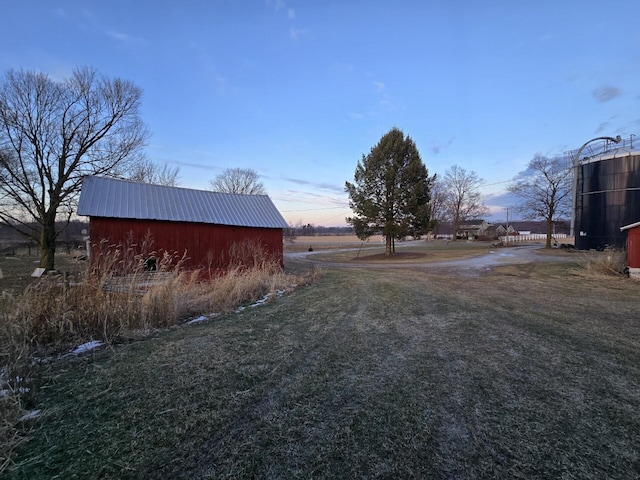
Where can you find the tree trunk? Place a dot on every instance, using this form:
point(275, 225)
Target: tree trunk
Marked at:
point(388, 250)
point(549, 233)
point(455, 226)
point(48, 242)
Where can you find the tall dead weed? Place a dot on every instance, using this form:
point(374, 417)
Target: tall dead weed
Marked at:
point(58, 313)
point(608, 263)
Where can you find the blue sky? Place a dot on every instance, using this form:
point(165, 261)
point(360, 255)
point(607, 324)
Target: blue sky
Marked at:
point(300, 90)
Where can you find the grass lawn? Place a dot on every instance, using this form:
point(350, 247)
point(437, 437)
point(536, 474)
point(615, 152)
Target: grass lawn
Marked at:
point(525, 372)
point(15, 271)
point(330, 249)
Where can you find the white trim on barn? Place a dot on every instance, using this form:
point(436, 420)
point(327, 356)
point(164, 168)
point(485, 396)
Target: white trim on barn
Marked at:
point(629, 227)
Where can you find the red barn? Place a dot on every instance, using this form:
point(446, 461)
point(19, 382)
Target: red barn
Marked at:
point(633, 249)
point(205, 228)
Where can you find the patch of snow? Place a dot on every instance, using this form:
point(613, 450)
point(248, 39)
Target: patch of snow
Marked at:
point(278, 293)
point(202, 318)
point(21, 390)
point(262, 301)
point(30, 415)
point(85, 347)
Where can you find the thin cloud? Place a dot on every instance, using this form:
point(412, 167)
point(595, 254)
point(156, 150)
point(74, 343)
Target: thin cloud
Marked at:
point(604, 94)
point(276, 4)
point(604, 126)
point(280, 5)
point(195, 165)
point(436, 147)
point(298, 196)
point(86, 20)
point(60, 12)
point(322, 186)
point(607, 125)
point(124, 38)
point(296, 32)
point(120, 36)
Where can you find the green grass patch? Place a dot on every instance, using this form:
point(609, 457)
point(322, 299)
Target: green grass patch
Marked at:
point(15, 271)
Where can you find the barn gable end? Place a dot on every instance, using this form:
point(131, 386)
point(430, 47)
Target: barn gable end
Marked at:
point(199, 225)
point(633, 249)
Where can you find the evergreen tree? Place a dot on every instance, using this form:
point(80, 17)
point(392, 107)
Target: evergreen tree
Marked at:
point(391, 191)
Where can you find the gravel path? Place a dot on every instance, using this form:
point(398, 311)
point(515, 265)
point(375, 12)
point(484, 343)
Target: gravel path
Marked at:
point(469, 266)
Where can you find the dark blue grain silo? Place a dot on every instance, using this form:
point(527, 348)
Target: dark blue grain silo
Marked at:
point(607, 198)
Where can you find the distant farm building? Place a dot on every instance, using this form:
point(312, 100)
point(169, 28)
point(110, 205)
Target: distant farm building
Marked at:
point(633, 249)
point(497, 231)
point(472, 230)
point(207, 230)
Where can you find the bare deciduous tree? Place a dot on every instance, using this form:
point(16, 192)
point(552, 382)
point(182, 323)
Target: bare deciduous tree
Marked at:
point(147, 171)
point(238, 180)
point(437, 203)
point(462, 199)
point(544, 189)
point(52, 134)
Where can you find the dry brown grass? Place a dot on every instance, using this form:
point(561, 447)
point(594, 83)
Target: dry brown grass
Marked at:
point(57, 313)
point(14, 357)
point(602, 264)
point(11, 435)
point(525, 371)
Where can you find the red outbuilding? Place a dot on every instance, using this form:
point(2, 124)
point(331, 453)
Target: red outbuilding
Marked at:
point(633, 249)
point(201, 229)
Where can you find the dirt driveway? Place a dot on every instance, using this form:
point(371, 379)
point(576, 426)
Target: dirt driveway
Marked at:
point(469, 266)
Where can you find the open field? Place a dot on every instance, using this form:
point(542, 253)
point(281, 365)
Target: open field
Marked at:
point(15, 271)
point(525, 371)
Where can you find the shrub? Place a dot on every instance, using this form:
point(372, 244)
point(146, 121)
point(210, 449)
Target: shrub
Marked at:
point(611, 262)
point(54, 315)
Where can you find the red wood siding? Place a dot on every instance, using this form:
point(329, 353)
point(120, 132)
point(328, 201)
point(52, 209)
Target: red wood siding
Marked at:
point(633, 248)
point(206, 245)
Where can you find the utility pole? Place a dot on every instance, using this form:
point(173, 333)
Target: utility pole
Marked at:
point(507, 209)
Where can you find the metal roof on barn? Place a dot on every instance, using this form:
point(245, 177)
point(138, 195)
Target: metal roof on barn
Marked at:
point(115, 198)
